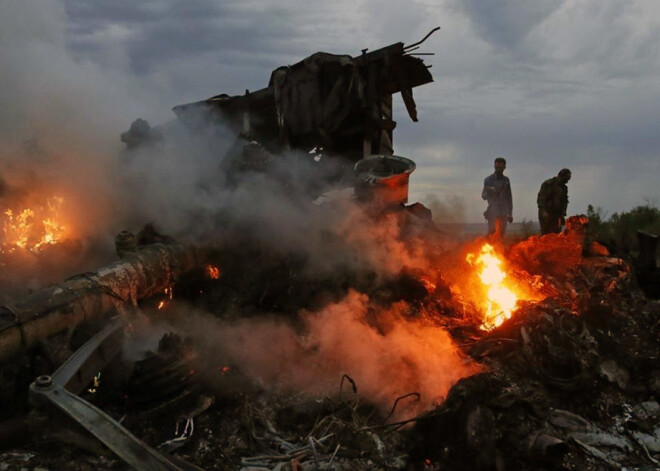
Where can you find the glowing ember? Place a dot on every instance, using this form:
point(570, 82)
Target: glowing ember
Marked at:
point(96, 382)
point(165, 300)
point(501, 301)
point(213, 272)
point(32, 229)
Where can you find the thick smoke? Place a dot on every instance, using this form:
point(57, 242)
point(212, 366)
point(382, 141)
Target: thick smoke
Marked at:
point(397, 357)
point(61, 121)
point(387, 353)
point(448, 210)
point(186, 184)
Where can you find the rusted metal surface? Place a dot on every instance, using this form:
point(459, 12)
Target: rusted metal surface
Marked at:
point(145, 272)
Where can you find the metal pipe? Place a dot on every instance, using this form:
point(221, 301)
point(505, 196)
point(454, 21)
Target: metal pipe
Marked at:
point(423, 39)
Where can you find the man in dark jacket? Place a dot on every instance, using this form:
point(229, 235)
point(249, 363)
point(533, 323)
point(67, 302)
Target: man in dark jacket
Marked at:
point(497, 191)
point(552, 202)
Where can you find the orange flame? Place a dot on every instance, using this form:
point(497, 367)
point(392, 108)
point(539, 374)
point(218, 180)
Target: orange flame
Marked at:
point(501, 301)
point(31, 229)
point(165, 300)
point(213, 272)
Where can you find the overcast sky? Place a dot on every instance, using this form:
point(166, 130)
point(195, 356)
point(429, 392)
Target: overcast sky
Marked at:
point(545, 83)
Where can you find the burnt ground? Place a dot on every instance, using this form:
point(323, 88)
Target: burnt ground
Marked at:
point(572, 382)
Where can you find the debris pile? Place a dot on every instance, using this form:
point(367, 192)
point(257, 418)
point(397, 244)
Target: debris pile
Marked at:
point(568, 382)
point(564, 377)
point(403, 350)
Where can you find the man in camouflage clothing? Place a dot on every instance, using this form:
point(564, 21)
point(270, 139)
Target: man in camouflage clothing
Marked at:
point(552, 202)
point(497, 191)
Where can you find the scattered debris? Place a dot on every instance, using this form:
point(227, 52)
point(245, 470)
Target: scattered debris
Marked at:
point(568, 379)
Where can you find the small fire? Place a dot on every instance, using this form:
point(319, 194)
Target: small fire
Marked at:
point(213, 272)
point(501, 301)
point(32, 229)
point(169, 294)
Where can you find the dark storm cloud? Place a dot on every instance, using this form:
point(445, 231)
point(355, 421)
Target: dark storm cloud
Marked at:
point(168, 30)
point(577, 89)
point(233, 44)
point(505, 23)
point(610, 140)
point(158, 32)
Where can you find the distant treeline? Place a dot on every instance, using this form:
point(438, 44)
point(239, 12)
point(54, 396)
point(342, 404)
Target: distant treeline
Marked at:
point(619, 231)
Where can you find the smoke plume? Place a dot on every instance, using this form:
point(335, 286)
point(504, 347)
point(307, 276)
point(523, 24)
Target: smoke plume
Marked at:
point(451, 210)
point(61, 119)
point(399, 356)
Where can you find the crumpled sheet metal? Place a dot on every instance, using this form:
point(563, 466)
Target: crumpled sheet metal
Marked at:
point(326, 99)
point(59, 391)
point(304, 106)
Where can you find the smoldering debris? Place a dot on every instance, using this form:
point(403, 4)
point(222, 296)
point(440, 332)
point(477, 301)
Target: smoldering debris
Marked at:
point(316, 332)
point(366, 381)
point(387, 360)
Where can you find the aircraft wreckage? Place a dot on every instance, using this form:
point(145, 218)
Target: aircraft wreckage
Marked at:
point(566, 377)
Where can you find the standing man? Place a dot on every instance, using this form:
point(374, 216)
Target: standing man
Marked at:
point(552, 201)
point(497, 191)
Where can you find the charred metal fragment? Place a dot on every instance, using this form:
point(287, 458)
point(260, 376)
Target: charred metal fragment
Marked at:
point(59, 390)
point(147, 271)
point(125, 242)
point(339, 102)
point(163, 377)
point(141, 133)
